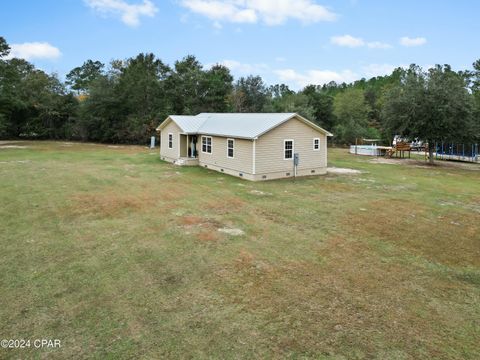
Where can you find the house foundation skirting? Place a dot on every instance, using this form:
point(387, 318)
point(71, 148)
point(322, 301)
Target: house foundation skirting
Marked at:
point(289, 174)
point(266, 176)
point(247, 175)
point(224, 170)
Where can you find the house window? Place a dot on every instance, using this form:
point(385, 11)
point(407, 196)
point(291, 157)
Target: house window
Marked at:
point(230, 147)
point(207, 144)
point(170, 141)
point(288, 149)
point(316, 144)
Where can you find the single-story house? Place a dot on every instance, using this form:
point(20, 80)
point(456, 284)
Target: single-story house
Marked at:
point(259, 146)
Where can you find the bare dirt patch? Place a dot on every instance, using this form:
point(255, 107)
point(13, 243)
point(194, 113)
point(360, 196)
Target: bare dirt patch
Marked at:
point(8, 142)
point(342, 171)
point(203, 229)
point(389, 161)
point(260, 193)
point(15, 162)
point(458, 165)
point(13, 147)
point(206, 229)
point(232, 231)
point(425, 165)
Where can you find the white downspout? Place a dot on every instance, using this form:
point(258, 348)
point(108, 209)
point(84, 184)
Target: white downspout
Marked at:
point(254, 156)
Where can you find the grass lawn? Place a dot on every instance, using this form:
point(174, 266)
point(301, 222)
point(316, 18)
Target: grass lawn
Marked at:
point(118, 255)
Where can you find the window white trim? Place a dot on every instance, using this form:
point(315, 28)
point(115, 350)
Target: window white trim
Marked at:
point(233, 148)
point(206, 144)
point(170, 140)
point(284, 150)
point(317, 148)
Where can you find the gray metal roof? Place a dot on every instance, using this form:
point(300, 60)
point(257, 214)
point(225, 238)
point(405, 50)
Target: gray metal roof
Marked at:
point(189, 124)
point(240, 125)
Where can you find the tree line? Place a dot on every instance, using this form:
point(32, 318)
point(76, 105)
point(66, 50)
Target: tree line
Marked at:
point(125, 100)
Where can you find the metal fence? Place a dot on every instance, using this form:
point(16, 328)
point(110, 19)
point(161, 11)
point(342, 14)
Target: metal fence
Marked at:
point(460, 152)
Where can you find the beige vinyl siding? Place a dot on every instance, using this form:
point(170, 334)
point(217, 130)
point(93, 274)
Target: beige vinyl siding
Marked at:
point(242, 158)
point(270, 148)
point(171, 128)
point(183, 146)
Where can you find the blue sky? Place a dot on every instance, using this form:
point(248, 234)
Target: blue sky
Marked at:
point(291, 41)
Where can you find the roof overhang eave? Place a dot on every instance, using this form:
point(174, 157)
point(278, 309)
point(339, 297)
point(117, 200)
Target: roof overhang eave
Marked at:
point(315, 126)
point(166, 122)
point(226, 136)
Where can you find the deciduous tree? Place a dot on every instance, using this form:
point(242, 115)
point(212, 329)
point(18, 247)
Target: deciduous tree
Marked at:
point(351, 112)
point(434, 106)
point(250, 93)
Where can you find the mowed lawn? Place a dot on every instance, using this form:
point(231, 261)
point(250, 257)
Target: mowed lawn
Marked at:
point(118, 255)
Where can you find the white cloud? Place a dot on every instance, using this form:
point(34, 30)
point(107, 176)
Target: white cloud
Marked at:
point(407, 41)
point(374, 70)
point(353, 42)
point(347, 40)
point(221, 10)
point(129, 14)
point(316, 77)
point(34, 50)
point(242, 68)
point(270, 12)
point(298, 80)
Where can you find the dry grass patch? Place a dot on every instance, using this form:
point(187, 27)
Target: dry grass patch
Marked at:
point(354, 304)
point(172, 192)
point(413, 227)
point(333, 267)
point(191, 220)
point(108, 204)
point(202, 228)
point(247, 263)
point(225, 205)
point(208, 236)
point(111, 203)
